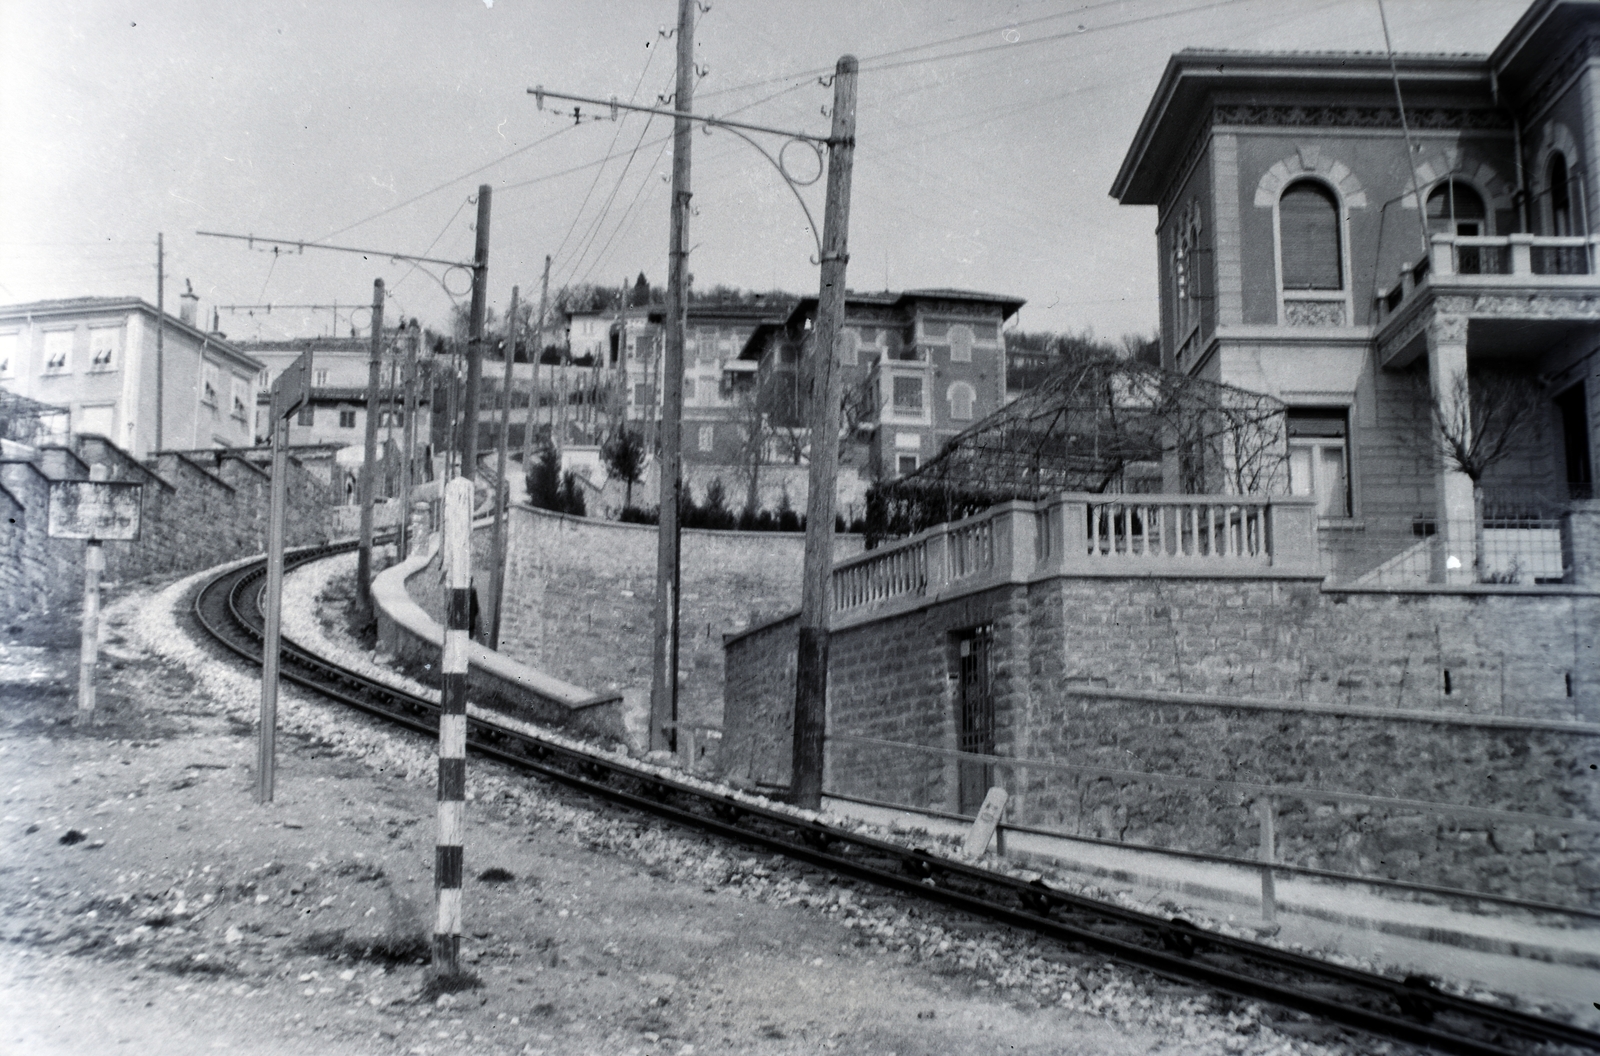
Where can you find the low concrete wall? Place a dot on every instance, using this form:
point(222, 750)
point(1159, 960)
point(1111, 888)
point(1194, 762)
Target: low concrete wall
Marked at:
point(493, 681)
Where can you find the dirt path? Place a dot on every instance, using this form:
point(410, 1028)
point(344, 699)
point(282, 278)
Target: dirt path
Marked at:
point(150, 905)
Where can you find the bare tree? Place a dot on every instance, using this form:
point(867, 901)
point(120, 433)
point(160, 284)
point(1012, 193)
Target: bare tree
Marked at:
point(1483, 420)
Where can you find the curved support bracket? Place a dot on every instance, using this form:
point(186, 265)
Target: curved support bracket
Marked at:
point(794, 184)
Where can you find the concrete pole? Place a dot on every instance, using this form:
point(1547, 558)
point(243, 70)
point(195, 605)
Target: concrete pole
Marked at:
point(480, 294)
point(161, 335)
point(369, 459)
point(811, 665)
point(266, 744)
point(94, 562)
point(451, 814)
point(538, 353)
point(664, 666)
point(497, 548)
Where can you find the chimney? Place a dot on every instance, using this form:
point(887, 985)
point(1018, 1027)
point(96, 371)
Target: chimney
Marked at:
point(190, 302)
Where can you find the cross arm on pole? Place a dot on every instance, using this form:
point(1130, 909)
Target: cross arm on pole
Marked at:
point(541, 94)
point(301, 245)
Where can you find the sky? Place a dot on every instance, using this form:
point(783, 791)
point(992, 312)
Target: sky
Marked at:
point(988, 135)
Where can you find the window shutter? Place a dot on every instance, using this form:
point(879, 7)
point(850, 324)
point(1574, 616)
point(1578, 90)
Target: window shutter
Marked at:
point(1308, 228)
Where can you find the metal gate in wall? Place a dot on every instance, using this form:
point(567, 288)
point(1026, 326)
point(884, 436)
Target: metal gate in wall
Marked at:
point(974, 716)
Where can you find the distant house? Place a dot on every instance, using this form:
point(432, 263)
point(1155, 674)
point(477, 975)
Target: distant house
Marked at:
point(917, 368)
point(99, 358)
point(1302, 255)
point(337, 413)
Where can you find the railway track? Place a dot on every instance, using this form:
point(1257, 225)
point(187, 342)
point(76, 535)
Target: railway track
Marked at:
point(1411, 1010)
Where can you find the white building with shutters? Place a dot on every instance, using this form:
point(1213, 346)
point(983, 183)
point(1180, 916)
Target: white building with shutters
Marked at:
point(99, 358)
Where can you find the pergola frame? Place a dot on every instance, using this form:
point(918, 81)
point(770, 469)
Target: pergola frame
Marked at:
point(1099, 425)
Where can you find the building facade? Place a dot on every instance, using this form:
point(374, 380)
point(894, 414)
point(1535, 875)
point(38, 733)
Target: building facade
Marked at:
point(916, 369)
point(1395, 304)
point(337, 413)
point(103, 360)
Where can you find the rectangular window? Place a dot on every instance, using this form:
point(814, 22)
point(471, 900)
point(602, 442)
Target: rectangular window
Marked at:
point(908, 395)
point(9, 345)
point(307, 416)
point(58, 352)
point(394, 419)
point(208, 384)
point(103, 345)
point(240, 398)
point(641, 394)
point(708, 437)
point(319, 378)
point(1319, 459)
point(688, 390)
point(905, 464)
point(347, 419)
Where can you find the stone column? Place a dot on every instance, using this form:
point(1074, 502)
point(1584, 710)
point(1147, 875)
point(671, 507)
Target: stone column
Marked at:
point(1454, 556)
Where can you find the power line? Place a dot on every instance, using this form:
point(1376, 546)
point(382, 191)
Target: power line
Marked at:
point(614, 137)
point(446, 183)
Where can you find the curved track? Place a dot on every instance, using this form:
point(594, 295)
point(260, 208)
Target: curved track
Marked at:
point(1408, 1010)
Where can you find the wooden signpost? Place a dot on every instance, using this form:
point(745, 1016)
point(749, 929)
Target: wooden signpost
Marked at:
point(95, 510)
point(290, 391)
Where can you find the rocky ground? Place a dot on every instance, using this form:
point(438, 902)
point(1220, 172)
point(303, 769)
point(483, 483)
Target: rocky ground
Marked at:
point(149, 902)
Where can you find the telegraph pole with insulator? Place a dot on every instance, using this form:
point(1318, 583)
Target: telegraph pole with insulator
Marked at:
point(811, 665)
point(664, 668)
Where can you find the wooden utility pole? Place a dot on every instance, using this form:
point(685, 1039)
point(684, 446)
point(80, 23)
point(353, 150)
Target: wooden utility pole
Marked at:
point(480, 294)
point(409, 436)
point(369, 459)
point(497, 547)
point(811, 667)
point(664, 669)
point(538, 354)
point(161, 333)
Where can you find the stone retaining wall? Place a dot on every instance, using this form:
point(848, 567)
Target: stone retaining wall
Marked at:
point(191, 518)
point(580, 594)
point(1271, 682)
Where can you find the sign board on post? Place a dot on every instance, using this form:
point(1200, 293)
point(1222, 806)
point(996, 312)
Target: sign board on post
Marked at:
point(290, 391)
point(94, 509)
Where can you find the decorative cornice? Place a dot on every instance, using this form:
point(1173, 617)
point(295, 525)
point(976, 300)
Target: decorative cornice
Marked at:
point(1542, 93)
point(1455, 119)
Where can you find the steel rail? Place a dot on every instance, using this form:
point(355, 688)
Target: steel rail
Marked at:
point(1407, 1010)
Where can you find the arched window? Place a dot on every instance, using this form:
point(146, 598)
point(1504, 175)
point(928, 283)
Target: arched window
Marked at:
point(961, 397)
point(1560, 195)
point(1454, 208)
point(1308, 234)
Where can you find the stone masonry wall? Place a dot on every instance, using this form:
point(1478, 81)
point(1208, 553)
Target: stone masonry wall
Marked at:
point(580, 595)
point(190, 519)
point(1085, 671)
point(1528, 770)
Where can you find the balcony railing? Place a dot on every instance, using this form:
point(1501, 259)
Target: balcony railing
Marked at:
point(1083, 534)
point(1531, 257)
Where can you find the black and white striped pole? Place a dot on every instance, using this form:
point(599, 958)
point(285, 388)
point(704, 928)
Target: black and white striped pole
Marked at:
point(453, 728)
